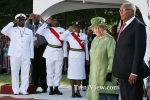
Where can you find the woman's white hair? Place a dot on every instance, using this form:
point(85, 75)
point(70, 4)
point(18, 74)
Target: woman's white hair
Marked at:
point(131, 6)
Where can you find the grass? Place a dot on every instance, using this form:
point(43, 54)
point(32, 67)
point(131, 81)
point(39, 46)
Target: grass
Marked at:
point(7, 97)
point(6, 79)
point(64, 80)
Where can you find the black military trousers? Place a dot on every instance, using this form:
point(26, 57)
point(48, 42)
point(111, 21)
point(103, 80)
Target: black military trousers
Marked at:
point(85, 81)
point(39, 67)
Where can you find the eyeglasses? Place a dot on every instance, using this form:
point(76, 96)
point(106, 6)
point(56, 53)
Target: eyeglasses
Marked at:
point(123, 10)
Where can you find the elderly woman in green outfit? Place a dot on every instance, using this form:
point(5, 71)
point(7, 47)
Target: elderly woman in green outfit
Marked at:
point(101, 53)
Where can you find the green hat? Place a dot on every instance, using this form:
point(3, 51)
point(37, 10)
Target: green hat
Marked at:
point(98, 21)
point(76, 23)
point(90, 28)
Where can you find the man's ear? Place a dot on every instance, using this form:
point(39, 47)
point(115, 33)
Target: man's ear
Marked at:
point(132, 12)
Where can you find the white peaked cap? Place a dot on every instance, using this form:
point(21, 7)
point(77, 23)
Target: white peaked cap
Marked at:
point(20, 15)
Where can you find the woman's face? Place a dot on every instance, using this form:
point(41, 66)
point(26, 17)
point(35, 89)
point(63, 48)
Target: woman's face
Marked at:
point(99, 30)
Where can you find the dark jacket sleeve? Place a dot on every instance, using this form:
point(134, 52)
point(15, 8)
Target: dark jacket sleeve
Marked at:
point(139, 49)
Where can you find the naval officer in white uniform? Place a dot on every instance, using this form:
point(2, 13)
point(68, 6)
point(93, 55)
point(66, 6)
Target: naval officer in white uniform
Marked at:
point(20, 52)
point(77, 55)
point(54, 53)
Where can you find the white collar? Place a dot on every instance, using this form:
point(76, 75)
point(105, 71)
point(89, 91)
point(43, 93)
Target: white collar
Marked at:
point(129, 21)
point(20, 27)
point(76, 33)
point(55, 27)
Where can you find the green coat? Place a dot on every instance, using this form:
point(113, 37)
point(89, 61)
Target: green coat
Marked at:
point(101, 59)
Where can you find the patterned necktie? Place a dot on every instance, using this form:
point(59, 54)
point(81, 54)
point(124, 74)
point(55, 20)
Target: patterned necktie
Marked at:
point(37, 42)
point(121, 29)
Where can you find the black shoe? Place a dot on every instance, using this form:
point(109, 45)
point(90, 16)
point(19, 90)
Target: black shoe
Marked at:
point(35, 88)
point(16, 93)
point(44, 90)
point(38, 92)
point(78, 95)
point(56, 91)
point(51, 91)
point(73, 95)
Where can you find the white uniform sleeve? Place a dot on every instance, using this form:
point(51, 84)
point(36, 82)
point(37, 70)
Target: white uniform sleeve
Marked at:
point(65, 35)
point(42, 22)
point(7, 29)
point(42, 30)
point(65, 49)
point(86, 49)
point(32, 45)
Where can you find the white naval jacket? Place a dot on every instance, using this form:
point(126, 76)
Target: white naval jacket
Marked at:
point(66, 36)
point(19, 46)
point(50, 52)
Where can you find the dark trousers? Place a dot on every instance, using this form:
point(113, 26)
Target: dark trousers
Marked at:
point(39, 67)
point(85, 81)
point(131, 92)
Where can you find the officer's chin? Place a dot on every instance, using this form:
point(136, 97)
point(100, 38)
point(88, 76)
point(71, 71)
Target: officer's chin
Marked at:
point(21, 25)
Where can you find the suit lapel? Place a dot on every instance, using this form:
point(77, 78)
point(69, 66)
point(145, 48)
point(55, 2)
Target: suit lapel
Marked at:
point(123, 33)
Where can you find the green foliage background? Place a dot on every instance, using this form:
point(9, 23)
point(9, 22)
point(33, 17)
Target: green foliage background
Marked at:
point(9, 8)
point(111, 16)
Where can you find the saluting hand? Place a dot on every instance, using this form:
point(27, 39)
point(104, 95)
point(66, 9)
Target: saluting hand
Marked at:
point(71, 29)
point(49, 20)
point(39, 18)
point(31, 16)
point(15, 22)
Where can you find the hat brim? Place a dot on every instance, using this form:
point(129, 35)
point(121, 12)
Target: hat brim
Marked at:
point(20, 16)
point(104, 25)
point(76, 25)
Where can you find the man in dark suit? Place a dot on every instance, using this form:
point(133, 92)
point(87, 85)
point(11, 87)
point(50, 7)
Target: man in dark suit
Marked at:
point(129, 54)
point(38, 63)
